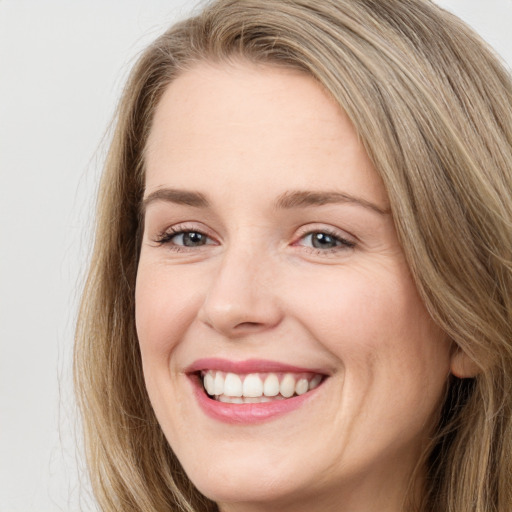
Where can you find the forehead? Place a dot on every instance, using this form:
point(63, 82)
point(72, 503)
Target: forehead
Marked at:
point(256, 124)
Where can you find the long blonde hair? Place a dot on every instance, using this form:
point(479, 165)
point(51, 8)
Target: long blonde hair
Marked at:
point(432, 105)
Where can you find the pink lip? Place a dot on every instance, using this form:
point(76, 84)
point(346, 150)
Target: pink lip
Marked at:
point(246, 413)
point(247, 366)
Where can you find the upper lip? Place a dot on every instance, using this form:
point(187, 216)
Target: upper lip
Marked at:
point(248, 366)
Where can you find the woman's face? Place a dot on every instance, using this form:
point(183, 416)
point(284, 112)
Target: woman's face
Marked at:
point(270, 268)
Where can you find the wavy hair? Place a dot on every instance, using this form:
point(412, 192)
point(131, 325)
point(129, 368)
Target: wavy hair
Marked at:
point(432, 105)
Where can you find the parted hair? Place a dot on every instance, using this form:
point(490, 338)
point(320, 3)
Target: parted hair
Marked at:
point(432, 105)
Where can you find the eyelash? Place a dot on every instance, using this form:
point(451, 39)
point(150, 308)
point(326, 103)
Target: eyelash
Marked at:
point(166, 237)
point(344, 243)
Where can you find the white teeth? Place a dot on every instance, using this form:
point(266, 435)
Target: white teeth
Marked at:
point(209, 384)
point(255, 400)
point(233, 385)
point(219, 384)
point(315, 381)
point(252, 387)
point(255, 387)
point(287, 387)
point(271, 385)
point(302, 386)
point(244, 400)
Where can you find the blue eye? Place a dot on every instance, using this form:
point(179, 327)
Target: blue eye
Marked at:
point(325, 241)
point(184, 238)
point(190, 239)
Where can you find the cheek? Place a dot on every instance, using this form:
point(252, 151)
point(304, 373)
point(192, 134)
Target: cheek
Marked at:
point(166, 302)
point(346, 305)
point(376, 324)
point(394, 360)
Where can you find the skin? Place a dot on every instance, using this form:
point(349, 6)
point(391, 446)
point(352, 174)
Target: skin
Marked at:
point(243, 135)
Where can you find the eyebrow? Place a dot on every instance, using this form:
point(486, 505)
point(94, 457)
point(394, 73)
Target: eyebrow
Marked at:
point(288, 200)
point(171, 195)
point(300, 199)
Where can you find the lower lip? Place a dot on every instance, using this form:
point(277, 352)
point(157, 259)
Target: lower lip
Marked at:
point(247, 413)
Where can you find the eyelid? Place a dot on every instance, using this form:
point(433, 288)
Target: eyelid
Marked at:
point(327, 229)
point(188, 226)
point(346, 241)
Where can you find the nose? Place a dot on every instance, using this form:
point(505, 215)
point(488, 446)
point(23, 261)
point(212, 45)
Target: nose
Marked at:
point(242, 297)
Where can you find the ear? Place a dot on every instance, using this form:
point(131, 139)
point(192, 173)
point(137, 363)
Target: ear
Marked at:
point(462, 366)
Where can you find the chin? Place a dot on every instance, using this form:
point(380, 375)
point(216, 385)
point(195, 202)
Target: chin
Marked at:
point(249, 486)
point(251, 478)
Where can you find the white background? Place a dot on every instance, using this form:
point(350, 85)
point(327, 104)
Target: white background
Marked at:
point(62, 65)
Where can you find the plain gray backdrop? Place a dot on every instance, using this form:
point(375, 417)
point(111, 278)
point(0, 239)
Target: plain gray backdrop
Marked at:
point(62, 66)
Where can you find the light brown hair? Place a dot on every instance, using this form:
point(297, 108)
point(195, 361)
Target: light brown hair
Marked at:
point(432, 105)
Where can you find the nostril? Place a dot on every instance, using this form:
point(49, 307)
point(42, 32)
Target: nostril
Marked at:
point(249, 325)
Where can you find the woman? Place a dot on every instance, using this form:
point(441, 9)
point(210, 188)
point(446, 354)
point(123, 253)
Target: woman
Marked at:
point(300, 293)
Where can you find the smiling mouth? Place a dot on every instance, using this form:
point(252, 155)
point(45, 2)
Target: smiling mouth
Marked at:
point(253, 388)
